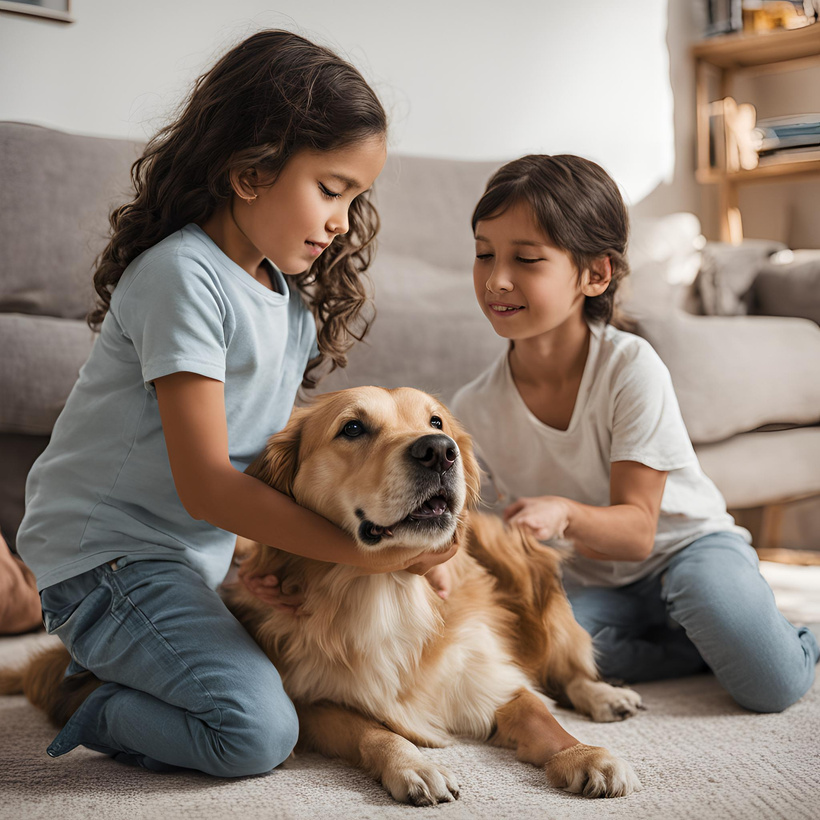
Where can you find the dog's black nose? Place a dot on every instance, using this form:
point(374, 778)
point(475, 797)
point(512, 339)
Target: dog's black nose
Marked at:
point(436, 452)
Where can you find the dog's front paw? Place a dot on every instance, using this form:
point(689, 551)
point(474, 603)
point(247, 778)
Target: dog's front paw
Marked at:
point(614, 703)
point(419, 782)
point(592, 771)
point(602, 702)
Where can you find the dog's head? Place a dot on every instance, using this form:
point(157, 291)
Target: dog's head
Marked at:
point(390, 467)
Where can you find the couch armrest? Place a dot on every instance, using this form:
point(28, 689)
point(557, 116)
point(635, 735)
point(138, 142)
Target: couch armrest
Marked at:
point(733, 374)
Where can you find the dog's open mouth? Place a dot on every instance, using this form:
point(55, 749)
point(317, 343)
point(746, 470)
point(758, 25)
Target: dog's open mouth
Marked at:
point(433, 511)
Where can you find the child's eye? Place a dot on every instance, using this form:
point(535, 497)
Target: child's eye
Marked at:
point(527, 261)
point(327, 192)
point(483, 256)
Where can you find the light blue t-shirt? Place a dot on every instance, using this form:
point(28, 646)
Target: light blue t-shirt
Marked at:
point(103, 487)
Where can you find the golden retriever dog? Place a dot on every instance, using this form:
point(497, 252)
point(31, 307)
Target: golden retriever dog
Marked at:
point(378, 664)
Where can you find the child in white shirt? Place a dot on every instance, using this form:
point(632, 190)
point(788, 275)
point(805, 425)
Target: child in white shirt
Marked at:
point(579, 427)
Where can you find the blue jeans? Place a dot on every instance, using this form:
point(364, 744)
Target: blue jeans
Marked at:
point(709, 609)
point(186, 685)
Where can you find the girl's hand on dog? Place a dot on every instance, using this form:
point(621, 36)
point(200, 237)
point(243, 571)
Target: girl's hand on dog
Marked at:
point(268, 590)
point(440, 579)
point(545, 517)
point(396, 559)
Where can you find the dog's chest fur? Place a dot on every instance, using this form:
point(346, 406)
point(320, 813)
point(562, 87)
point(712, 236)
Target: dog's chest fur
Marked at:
point(379, 644)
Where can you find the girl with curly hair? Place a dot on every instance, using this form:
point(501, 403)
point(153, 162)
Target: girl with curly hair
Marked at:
point(250, 226)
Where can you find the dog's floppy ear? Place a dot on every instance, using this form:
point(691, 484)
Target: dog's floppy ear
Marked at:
point(278, 463)
point(472, 471)
point(472, 474)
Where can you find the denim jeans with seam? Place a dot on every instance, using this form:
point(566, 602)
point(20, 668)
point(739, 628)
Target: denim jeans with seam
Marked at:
point(710, 608)
point(185, 684)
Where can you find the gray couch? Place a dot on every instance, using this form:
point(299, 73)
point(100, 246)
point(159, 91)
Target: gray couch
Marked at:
point(749, 386)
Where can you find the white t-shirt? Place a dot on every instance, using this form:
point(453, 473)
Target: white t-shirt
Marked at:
point(626, 410)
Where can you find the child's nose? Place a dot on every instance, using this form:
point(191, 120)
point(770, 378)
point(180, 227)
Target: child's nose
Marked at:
point(339, 222)
point(498, 281)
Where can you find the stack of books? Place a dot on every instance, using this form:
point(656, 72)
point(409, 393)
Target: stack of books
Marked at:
point(786, 136)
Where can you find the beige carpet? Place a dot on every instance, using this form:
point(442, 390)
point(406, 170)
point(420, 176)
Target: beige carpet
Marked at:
point(698, 754)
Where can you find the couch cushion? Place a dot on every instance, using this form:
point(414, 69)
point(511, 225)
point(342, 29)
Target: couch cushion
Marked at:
point(727, 272)
point(41, 359)
point(790, 289)
point(429, 331)
point(18, 454)
point(56, 191)
point(735, 374)
point(764, 468)
point(664, 257)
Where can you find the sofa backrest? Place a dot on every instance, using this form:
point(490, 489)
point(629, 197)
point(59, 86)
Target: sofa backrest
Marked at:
point(429, 331)
point(56, 191)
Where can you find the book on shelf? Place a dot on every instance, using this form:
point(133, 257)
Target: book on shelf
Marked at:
point(801, 154)
point(786, 133)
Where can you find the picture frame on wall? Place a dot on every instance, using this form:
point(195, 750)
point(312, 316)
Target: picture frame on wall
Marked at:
point(48, 9)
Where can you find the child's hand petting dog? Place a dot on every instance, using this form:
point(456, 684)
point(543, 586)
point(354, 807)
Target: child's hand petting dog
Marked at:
point(440, 579)
point(545, 517)
point(269, 590)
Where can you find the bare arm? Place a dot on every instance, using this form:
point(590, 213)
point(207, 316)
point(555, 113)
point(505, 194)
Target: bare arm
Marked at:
point(623, 531)
point(192, 409)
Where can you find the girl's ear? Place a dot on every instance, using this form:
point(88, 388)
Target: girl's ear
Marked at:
point(279, 461)
point(244, 183)
point(596, 278)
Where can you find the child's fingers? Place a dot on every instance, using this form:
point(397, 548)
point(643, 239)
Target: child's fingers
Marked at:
point(519, 520)
point(265, 588)
point(532, 526)
point(265, 580)
point(431, 559)
point(514, 509)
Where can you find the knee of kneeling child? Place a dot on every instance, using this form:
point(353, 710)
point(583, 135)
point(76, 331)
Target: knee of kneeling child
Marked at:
point(776, 696)
point(254, 742)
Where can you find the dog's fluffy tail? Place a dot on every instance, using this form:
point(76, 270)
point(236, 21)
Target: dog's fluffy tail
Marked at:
point(42, 680)
point(553, 647)
point(526, 572)
point(38, 677)
point(11, 681)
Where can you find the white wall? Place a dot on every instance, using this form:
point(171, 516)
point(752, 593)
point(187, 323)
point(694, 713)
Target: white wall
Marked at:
point(474, 79)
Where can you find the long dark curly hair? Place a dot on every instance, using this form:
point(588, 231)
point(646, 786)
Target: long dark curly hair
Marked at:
point(578, 207)
point(271, 96)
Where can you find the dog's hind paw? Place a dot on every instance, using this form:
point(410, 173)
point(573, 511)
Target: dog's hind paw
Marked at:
point(420, 782)
point(591, 771)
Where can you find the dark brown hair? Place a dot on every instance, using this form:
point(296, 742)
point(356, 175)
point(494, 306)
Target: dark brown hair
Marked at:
point(578, 207)
point(271, 96)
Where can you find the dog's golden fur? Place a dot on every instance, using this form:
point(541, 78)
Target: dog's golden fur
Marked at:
point(379, 656)
point(379, 662)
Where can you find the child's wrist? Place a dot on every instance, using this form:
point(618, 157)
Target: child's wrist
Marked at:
point(570, 512)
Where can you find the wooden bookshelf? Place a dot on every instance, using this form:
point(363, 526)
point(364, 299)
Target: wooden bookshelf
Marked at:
point(718, 61)
point(733, 51)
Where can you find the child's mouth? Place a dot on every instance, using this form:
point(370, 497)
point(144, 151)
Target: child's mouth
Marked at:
point(506, 310)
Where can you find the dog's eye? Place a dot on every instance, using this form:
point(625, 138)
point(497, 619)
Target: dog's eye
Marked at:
point(353, 429)
point(436, 422)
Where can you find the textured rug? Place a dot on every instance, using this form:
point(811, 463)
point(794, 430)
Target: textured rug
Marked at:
point(698, 755)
